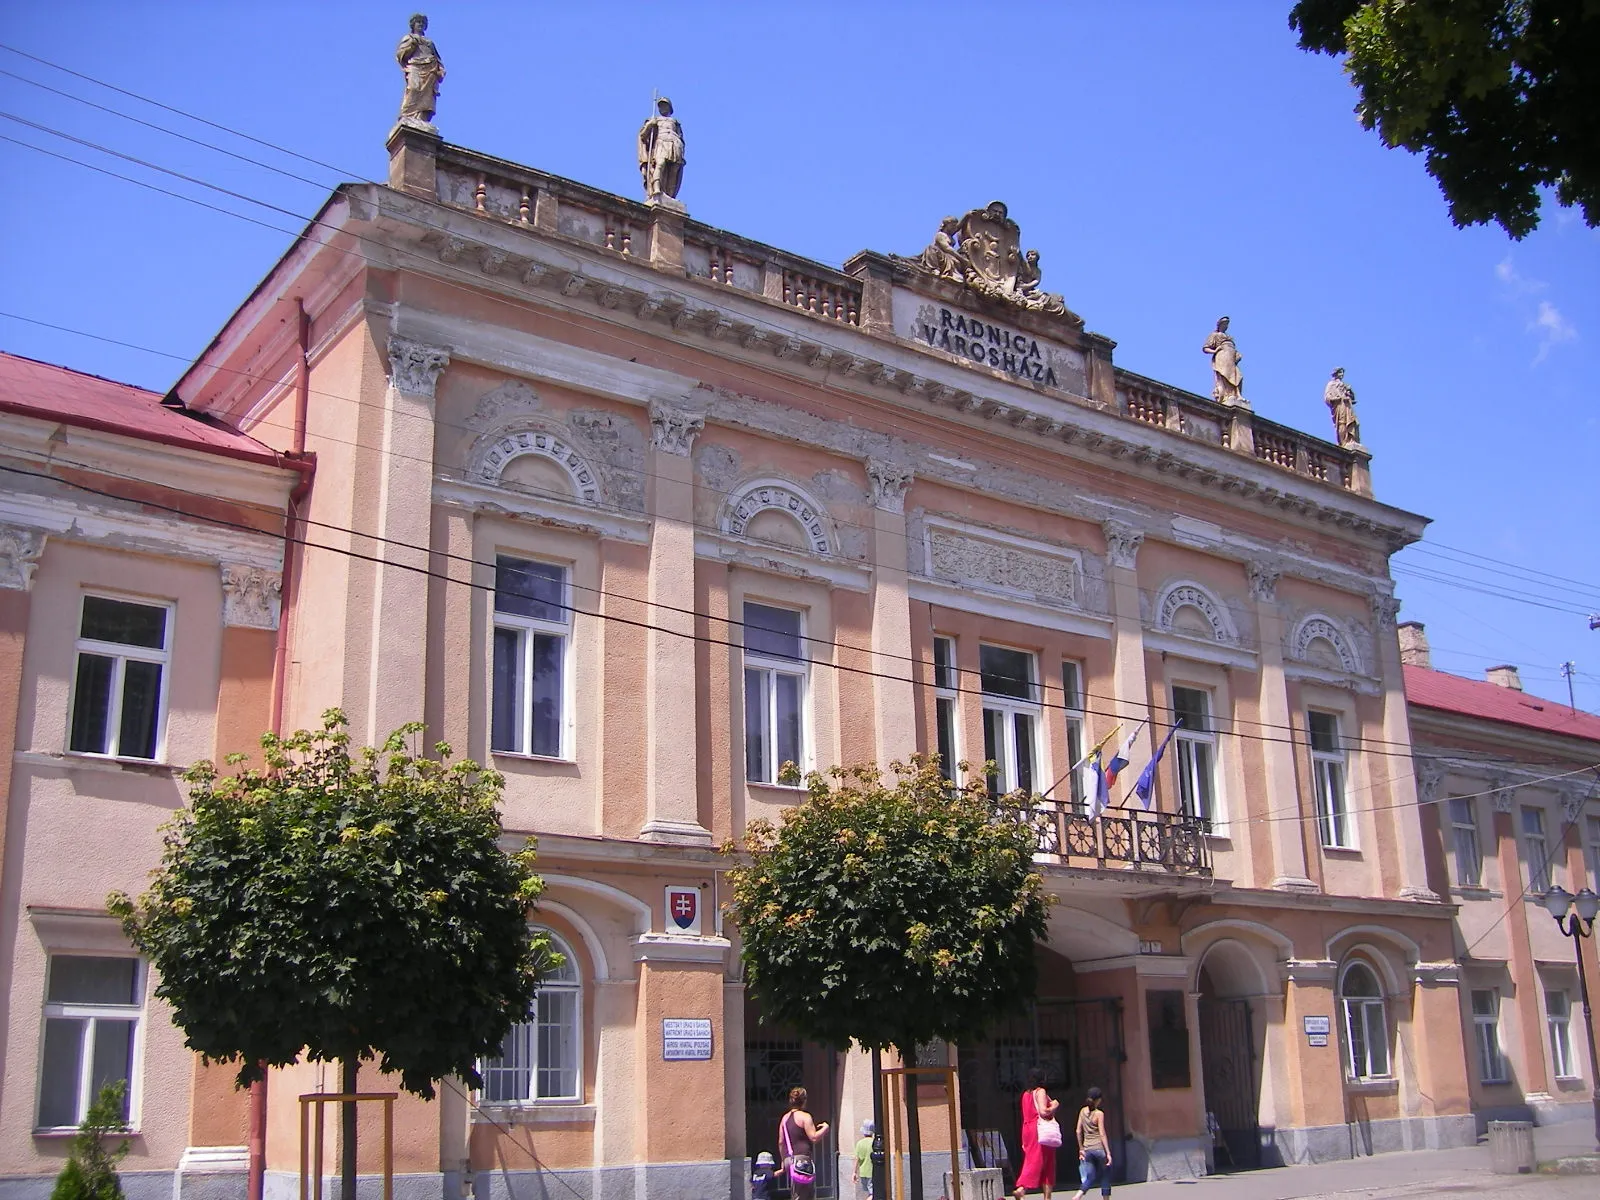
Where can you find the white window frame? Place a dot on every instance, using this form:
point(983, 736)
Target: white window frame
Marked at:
point(569, 984)
point(92, 1014)
point(1536, 849)
point(121, 654)
point(1008, 764)
point(1188, 745)
point(1330, 776)
point(1563, 1063)
point(526, 628)
point(1360, 1010)
point(771, 667)
point(1464, 837)
point(947, 705)
point(1074, 717)
point(1486, 1030)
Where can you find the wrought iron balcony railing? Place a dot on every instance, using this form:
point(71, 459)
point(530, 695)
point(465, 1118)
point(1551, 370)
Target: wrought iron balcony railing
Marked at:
point(1122, 837)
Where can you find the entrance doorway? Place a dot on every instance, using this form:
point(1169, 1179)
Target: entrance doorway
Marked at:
point(1230, 1063)
point(1078, 1043)
point(775, 1060)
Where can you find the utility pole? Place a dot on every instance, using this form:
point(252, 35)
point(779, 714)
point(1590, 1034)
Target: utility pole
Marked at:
point(1567, 669)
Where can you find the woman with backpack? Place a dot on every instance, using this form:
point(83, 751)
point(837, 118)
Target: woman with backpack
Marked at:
point(1041, 1138)
point(798, 1135)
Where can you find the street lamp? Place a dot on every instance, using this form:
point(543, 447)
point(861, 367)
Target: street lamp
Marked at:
point(1583, 907)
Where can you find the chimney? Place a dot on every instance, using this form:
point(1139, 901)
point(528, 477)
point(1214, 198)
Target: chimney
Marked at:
point(1414, 650)
point(1505, 676)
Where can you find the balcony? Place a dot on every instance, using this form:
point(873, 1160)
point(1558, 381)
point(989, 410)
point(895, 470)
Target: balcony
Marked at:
point(1127, 838)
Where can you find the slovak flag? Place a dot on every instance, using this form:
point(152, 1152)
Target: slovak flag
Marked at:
point(1119, 759)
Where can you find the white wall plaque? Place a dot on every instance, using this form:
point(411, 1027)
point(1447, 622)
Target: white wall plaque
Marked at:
point(686, 1039)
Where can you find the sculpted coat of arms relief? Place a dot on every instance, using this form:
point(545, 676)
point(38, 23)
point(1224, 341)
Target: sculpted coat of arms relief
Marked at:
point(983, 251)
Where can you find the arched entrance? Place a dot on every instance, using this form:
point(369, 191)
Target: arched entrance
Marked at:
point(1232, 1048)
point(775, 1060)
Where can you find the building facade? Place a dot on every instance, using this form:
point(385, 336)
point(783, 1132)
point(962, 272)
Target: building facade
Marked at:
point(638, 510)
point(1513, 810)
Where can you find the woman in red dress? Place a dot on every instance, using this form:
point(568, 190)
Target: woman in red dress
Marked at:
point(1038, 1162)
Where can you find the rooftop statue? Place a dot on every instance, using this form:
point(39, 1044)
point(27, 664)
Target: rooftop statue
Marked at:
point(419, 59)
point(1341, 400)
point(661, 156)
point(983, 251)
point(1225, 358)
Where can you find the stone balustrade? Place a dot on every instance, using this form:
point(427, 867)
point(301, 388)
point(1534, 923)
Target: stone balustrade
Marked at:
point(669, 241)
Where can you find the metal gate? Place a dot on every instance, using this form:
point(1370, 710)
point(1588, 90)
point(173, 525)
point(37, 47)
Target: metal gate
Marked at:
point(1079, 1045)
point(776, 1060)
point(1228, 1069)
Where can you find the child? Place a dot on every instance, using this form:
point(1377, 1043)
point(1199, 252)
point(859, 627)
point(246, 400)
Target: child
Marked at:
point(761, 1177)
point(864, 1158)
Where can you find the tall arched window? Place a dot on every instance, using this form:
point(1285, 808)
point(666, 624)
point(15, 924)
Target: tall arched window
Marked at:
point(1365, 1025)
point(540, 1059)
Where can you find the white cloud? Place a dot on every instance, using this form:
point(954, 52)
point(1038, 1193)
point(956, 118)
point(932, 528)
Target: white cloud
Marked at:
point(1551, 327)
point(1514, 281)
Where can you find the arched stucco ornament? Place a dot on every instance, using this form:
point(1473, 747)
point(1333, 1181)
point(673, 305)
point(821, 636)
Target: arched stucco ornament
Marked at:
point(750, 500)
point(1187, 594)
point(497, 448)
point(1318, 627)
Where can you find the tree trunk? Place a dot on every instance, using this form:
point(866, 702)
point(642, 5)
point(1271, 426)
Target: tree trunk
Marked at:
point(347, 1140)
point(880, 1170)
point(913, 1126)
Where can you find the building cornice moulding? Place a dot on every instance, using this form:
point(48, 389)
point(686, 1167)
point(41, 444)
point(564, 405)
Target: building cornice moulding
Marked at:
point(735, 551)
point(486, 500)
point(1176, 645)
point(529, 262)
point(966, 599)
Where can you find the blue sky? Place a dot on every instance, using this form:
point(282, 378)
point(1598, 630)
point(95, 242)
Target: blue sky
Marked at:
point(1171, 162)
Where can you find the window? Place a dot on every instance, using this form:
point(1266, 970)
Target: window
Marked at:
point(1010, 717)
point(1469, 858)
point(1536, 850)
point(532, 623)
point(1558, 1019)
point(91, 1023)
point(119, 692)
point(1328, 772)
point(774, 692)
point(539, 1059)
point(947, 706)
point(1591, 850)
point(1486, 1024)
point(1072, 702)
point(1365, 1027)
point(1196, 745)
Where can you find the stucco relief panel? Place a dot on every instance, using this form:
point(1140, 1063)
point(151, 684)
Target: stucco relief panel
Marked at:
point(1188, 609)
point(1321, 641)
point(747, 504)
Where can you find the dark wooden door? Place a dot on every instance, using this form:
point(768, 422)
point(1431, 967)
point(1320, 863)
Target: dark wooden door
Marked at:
point(1228, 1067)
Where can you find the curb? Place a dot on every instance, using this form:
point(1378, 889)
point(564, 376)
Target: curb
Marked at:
point(1577, 1164)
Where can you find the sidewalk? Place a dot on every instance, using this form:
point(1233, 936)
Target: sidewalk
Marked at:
point(1463, 1171)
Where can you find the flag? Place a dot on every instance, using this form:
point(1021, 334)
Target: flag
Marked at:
point(1147, 777)
point(1101, 800)
point(1119, 759)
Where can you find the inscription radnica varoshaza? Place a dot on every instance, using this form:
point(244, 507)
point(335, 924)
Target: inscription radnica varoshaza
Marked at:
point(983, 252)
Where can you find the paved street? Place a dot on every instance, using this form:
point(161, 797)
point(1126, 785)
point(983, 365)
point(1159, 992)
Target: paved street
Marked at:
point(1425, 1173)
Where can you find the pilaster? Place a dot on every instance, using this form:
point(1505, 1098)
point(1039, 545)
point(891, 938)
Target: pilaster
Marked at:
point(1404, 818)
point(1129, 684)
point(1288, 837)
point(20, 551)
point(672, 744)
point(891, 613)
point(401, 523)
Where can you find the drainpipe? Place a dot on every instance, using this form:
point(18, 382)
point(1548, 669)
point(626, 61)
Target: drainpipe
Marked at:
point(306, 465)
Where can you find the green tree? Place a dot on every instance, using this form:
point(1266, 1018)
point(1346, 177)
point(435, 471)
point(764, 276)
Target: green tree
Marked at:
point(91, 1170)
point(890, 914)
point(346, 906)
point(1500, 95)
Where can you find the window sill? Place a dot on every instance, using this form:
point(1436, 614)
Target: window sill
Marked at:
point(1474, 892)
point(787, 788)
point(1495, 1082)
point(1570, 1083)
point(64, 1132)
point(534, 1112)
point(78, 760)
point(551, 759)
point(1373, 1087)
point(1343, 851)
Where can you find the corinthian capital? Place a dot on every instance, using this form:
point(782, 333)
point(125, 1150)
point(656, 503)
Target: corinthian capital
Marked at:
point(1385, 610)
point(890, 481)
point(1264, 578)
point(251, 596)
point(414, 366)
point(20, 549)
point(1122, 544)
point(673, 430)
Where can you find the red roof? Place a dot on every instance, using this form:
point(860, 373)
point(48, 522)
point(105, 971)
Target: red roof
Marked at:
point(1491, 702)
point(53, 393)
